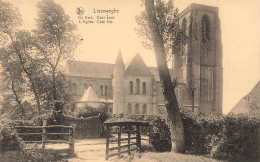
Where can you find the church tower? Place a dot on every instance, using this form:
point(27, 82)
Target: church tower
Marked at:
point(118, 85)
point(199, 62)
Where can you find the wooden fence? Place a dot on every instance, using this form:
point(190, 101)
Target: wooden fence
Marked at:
point(119, 132)
point(27, 133)
point(86, 127)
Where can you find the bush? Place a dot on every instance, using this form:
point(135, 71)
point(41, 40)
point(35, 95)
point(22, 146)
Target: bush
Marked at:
point(160, 135)
point(9, 140)
point(201, 131)
point(232, 137)
point(240, 139)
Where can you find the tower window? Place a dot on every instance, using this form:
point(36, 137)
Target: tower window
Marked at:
point(205, 29)
point(136, 109)
point(144, 112)
point(106, 90)
point(131, 88)
point(137, 86)
point(203, 85)
point(101, 90)
point(129, 108)
point(144, 88)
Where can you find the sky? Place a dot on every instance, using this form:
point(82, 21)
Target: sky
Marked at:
point(240, 25)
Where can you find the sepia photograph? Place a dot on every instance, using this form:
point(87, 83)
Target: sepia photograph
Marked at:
point(132, 80)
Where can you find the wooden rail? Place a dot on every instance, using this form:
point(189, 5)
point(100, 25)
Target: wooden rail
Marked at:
point(44, 134)
point(119, 147)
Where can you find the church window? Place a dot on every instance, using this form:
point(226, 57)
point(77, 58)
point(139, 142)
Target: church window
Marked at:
point(144, 88)
point(136, 109)
point(131, 88)
point(106, 90)
point(137, 86)
point(204, 55)
point(205, 29)
point(129, 108)
point(203, 85)
point(74, 88)
point(101, 90)
point(144, 109)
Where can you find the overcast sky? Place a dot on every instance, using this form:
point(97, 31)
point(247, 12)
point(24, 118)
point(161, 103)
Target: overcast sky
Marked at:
point(240, 25)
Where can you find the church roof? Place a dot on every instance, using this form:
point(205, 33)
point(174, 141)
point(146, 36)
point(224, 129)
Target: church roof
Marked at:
point(104, 70)
point(244, 105)
point(89, 95)
point(136, 66)
point(89, 69)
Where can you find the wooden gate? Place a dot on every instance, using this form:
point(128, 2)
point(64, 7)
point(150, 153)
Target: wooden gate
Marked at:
point(130, 128)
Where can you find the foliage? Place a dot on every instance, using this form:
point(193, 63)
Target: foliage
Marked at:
point(167, 22)
point(202, 131)
point(89, 111)
point(160, 135)
point(231, 137)
point(9, 139)
point(239, 140)
point(31, 61)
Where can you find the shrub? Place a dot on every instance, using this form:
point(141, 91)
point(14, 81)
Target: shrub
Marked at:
point(201, 131)
point(239, 140)
point(160, 135)
point(232, 137)
point(9, 139)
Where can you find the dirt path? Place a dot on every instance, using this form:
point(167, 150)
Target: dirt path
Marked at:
point(91, 150)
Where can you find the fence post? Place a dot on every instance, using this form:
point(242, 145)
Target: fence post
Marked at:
point(71, 138)
point(138, 137)
point(44, 133)
point(119, 140)
point(107, 142)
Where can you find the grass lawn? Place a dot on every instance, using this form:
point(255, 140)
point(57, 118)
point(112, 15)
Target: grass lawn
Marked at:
point(168, 157)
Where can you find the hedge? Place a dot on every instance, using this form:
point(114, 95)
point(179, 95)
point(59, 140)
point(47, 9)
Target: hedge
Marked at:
point(231, 137)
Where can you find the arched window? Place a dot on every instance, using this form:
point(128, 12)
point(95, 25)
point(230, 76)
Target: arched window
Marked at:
point(129, 108)
point(136, 109)
point(101, 90)
point(144, 112)
point(131, 88)
point(205, 29)
point(74, 88)
point(137, 86)
point(85, 87)
point(106, 90)
point(144, 88)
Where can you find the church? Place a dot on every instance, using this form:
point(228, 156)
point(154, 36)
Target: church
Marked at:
point(134, 88)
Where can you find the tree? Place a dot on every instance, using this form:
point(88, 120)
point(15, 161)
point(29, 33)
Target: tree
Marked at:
point(159, 25)
point(31, 60)
point(18, 46)
point(56, 41)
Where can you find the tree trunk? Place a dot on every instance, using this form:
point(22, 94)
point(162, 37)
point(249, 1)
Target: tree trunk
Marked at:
point(173, 112)
point(57, 104)
point(18, 101)
point(33, 88)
